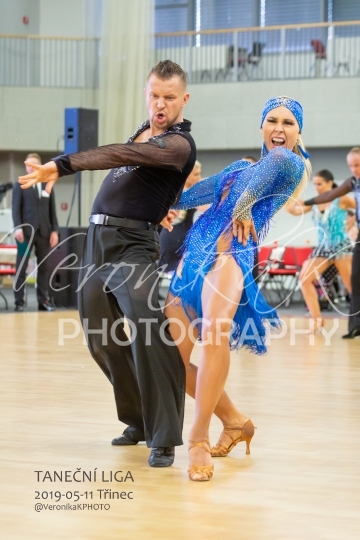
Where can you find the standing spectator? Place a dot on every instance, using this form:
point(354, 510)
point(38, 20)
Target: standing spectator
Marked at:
point(34, 217)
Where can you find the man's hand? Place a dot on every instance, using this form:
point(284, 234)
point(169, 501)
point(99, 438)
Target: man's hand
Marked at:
point(19, 235)
point(242, 230)
point(54, 239)
point(168, 220)
point(41, 173)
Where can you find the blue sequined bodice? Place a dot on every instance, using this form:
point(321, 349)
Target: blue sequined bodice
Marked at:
point(268, 184)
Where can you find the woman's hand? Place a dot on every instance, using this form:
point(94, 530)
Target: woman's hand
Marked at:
point(42, 173)
point(242, 230)
point(54, 239)
point(297, 208)
point(169, 219)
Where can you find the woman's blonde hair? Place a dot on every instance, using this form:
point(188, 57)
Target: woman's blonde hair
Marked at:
point(307, 172)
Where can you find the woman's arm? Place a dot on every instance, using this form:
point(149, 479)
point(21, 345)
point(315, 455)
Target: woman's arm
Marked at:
point(298, 208)
point(279, 173)
point(347, 202)
point(350, 222)
point(199, 194)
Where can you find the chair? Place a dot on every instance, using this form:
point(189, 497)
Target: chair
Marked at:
point(288, 272)
point(7, 267)
point(320, 55)
point(342, 65)
point(242, 62)
point(255, 57)
point(264, 255)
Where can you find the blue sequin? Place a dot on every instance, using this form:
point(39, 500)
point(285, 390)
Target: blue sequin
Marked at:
point(269, 183)
point(331, 227)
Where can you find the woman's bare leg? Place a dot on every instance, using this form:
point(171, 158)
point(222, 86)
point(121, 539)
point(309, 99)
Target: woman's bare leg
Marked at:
point(343, 265)
point(225, 409)
point(310, 272)
point(220, 297)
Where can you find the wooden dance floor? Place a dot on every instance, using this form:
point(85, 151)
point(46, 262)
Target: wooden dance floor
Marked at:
point(301, 481)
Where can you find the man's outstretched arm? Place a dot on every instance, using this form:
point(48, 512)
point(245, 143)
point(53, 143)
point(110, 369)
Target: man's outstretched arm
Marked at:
point(331, 195)
point(170, 152)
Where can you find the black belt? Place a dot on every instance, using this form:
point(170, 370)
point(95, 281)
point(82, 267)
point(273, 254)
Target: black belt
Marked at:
point(102, 219)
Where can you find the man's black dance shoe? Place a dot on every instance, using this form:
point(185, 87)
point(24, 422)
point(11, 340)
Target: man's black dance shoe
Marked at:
point(162, 456)
point(123, 440)
point(46, 306)
point(355, 332)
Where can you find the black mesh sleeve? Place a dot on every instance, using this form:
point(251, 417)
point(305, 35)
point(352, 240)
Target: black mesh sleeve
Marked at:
point(169, 152)
point(329, 196)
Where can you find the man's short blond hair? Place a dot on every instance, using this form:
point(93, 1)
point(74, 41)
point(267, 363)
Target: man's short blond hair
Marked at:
point(355, 150)
point(34, 155)
point(166, 69)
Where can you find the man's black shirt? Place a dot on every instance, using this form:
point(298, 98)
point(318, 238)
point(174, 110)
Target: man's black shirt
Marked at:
point(148, 176)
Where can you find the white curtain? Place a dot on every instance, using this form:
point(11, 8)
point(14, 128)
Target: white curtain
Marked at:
point(126, 59)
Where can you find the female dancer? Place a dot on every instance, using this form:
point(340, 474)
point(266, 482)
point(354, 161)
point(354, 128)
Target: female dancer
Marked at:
point(334, 246)
point(351, 184)
point(213, 286)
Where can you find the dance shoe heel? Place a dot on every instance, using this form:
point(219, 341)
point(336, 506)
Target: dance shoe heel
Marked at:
point(231, 436)
point(315, 325)
point(204, 471)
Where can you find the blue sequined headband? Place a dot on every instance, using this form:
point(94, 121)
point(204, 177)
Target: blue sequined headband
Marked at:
point(290, 103)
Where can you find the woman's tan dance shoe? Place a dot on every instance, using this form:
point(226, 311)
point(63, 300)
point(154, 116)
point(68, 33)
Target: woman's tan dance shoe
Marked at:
point(315, 325)
point(229, 438)
point(204, 472)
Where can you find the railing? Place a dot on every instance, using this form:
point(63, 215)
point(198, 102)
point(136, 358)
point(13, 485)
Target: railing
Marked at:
point(49, 61)
point(298, 51)
point(260, 53)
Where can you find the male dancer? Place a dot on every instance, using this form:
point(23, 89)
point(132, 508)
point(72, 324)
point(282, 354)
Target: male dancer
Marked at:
point(351, 184)
point(119, 276)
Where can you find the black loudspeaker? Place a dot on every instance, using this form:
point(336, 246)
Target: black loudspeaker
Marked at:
point(81, 129)
point(64, 263)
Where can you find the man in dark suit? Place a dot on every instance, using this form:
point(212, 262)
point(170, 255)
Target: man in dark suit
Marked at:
point(34, 215)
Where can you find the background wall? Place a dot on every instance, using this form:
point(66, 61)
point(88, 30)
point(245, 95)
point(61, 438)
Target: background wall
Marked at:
point(76, 18)
point(12, 12)
point(227, 116)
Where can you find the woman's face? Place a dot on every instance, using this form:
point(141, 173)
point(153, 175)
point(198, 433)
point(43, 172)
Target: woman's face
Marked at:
point(321, 185)
point(280, 129)
point(193, 177)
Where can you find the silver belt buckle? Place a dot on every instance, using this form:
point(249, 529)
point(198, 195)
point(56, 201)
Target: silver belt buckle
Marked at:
point(99, 219)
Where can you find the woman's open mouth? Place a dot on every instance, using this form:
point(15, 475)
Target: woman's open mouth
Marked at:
point(278, 141)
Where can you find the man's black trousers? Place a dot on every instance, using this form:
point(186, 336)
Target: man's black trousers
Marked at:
point(119, 278)
point(42, 249)
point(354, 318)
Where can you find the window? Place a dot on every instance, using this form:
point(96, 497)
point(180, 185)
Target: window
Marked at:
point(345, 10)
